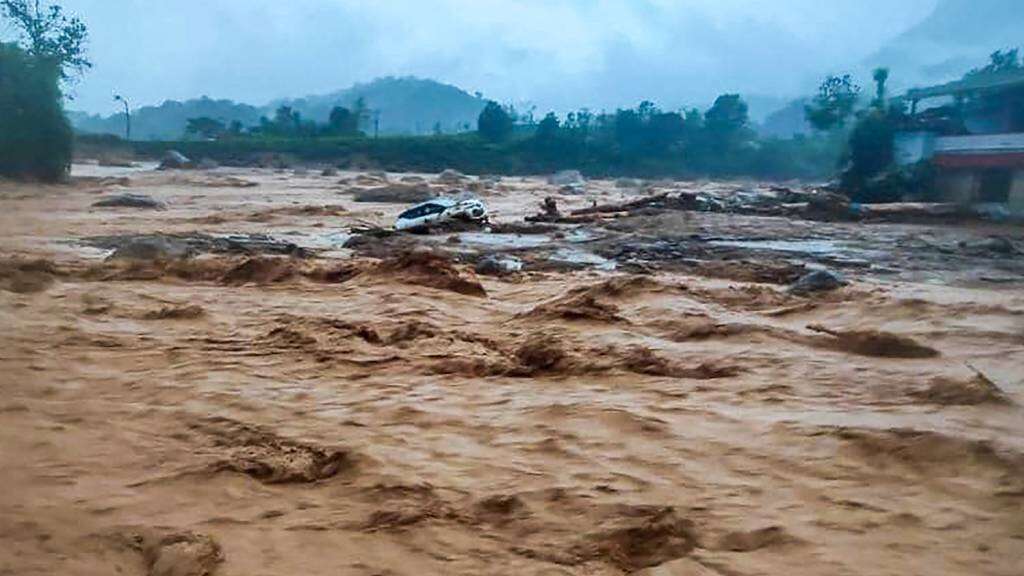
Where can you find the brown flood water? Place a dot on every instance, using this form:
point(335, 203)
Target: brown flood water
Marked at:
point(343, 415)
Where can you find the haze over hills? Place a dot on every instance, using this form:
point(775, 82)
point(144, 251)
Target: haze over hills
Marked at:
point(957, 36)
point(405, 105)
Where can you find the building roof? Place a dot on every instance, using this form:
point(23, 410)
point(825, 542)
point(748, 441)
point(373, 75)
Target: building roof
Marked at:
point(975, 83)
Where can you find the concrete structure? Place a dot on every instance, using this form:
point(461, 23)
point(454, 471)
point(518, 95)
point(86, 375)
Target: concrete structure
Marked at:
point(976, 142)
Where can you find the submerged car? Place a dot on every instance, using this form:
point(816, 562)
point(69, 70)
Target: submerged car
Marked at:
point(441, 210)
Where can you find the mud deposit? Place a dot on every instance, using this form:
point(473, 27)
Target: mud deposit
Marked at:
point(231, 408)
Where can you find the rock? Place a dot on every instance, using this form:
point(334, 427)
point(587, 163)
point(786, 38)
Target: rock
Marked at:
point(567, 178)
point(396, 194)
point(498, 265)
point(131, 201)
point(174, 160)
point(817, 281)
point(572, 189)
point(152, 248)
point(452, 177)
point(207, 164)
point(329, 172)
point(181, 554)
point(993, 245)
point(830, 205)
point(114, 162)
point(368, 180)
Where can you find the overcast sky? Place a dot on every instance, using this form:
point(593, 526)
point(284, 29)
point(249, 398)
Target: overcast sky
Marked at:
point(555, 53)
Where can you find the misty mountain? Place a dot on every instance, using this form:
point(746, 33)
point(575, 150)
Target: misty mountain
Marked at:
point(403, 105)
point(957, 36)
point(166, 121)
point(787, 122)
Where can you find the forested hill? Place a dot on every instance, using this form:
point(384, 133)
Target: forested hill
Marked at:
point(403, 105)
point(167, 121)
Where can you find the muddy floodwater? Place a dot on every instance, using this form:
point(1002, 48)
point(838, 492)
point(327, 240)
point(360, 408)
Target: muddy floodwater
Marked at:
point(254, 377)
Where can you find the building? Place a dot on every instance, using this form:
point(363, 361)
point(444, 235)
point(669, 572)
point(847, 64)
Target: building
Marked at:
point(973, 136)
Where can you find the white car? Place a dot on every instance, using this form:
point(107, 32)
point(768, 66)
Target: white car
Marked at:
point(440, 210)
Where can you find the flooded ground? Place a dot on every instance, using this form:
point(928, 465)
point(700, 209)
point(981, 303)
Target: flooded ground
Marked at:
point(303, 393)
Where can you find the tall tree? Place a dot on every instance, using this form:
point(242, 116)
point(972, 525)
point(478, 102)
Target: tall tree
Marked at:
point(35, 136)
point(881, 77)
point(726, 123)
point(47, 32)
point(832, 107)
point(495, 123)
point(205, 127)
point(342, 122)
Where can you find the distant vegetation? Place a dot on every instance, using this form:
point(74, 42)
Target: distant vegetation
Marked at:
point(643, 141)
point(35, 136)
point(392, 106)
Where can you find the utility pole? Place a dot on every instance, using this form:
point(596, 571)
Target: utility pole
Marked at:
point(127, 117)
point(376, 124)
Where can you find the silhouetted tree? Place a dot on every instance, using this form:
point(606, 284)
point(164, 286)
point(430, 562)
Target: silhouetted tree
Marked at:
point(342, 122)
point(881, 77)
point(547, 129)
point(35, 135)
point(726, 123)
point(205, 127)
point(832, 107)
point(495, 123)
point(48, 33)
point(999, 62)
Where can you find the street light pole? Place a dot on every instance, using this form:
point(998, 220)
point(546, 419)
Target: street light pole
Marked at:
point(127, 117)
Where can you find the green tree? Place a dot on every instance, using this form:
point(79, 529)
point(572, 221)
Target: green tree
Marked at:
point(547, 129)
point(342, 122)
point(35, 136)
point(727, 122)
point(48, 33)
point(205, 127)
point(495, 123)
point(665, 129)
point(832, 107)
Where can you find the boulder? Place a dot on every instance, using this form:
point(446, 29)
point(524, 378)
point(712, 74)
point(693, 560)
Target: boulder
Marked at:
point(396, 194)
point(131, 201)
point(567, 178)
point(207, 164)
point(498, 265)
point(174, 160)
point(817, 281)
point(995, 245)
point(152, 248)
point(451, 177)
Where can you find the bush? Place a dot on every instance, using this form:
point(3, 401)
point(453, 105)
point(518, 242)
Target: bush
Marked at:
point(35, 136)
